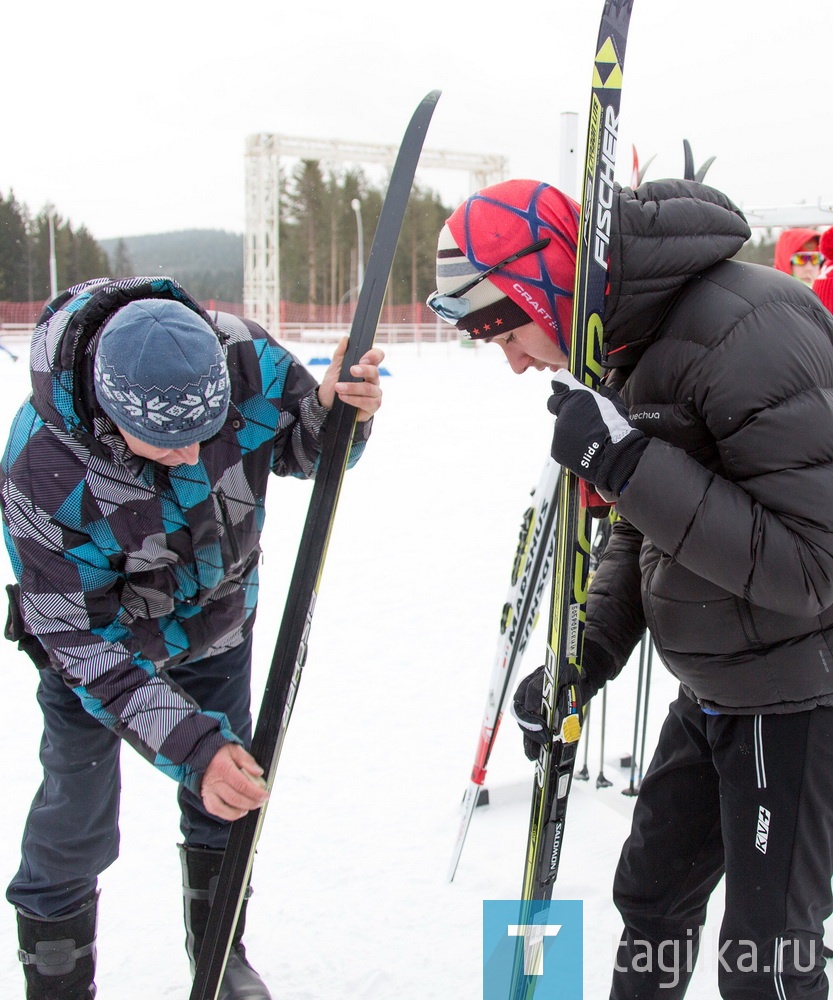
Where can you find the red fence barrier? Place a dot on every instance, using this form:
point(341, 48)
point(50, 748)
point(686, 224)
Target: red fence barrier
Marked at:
point(20, 313)
point(413, 322)
point(27, 313)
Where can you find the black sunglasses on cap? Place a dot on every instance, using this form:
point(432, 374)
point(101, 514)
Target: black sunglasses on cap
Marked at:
point(452, 307)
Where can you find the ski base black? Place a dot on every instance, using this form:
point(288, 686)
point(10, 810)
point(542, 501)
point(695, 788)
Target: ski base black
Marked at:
point(291, 648)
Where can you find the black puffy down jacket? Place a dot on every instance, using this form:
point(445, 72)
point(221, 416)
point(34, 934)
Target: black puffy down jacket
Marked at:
point(727, 529)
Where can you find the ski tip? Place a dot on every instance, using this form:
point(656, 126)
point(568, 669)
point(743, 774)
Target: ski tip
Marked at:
point(689, 173)
point(644, 169)
point(688, 161)
point(425, 110)
point(429, 102)
point(703, 170)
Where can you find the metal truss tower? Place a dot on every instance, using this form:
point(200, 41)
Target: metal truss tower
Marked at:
point(261, 268)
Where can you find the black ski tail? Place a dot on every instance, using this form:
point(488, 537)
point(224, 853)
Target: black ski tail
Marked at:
point(688, 161)
point(689, 173)
point(291, 647)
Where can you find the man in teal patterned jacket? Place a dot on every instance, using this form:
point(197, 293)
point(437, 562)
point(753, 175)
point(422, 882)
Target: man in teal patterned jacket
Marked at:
point(133, 488)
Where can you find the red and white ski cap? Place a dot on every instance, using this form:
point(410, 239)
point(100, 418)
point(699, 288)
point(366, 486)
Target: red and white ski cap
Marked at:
point(495, 223)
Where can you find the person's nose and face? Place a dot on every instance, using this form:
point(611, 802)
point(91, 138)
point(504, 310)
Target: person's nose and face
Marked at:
point(171, 457)
point(806, 263)
point(529, 347)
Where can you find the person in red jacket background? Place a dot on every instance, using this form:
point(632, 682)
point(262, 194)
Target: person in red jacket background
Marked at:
point(797, 253)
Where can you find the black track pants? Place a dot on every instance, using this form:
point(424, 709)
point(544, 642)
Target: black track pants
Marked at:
point(751, 796)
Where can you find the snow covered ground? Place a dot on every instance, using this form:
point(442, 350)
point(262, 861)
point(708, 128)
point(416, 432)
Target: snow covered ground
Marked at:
point(350, 897)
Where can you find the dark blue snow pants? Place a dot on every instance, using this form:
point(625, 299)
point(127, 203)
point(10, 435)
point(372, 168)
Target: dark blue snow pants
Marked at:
point(751, 797)
point(72, 831)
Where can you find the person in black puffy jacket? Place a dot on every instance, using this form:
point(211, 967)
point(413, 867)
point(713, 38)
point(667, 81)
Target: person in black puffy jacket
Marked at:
point(713, 435)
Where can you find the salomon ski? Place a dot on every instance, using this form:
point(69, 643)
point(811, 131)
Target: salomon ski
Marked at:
point(290, 650)
point(530, 573)
point(554, 767)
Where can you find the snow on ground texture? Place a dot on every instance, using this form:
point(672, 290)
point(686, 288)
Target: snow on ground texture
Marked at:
point(350, 896)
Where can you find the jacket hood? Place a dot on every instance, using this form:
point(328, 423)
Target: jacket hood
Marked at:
point(790, 242)
point(64, 344)
point(664, 233)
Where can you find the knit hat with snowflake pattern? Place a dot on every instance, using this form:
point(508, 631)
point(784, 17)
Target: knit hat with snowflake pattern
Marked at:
point(161, 375)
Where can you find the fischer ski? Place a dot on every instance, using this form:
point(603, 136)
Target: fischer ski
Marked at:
point(530, 572)
point(291, 647)
point(554, 767)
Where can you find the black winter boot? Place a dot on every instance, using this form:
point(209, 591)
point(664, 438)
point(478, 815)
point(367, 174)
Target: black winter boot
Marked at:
point(58, 954)
point(200, 868)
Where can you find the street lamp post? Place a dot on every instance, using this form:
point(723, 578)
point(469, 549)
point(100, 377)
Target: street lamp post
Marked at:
point(53, 263)
point(356, 205)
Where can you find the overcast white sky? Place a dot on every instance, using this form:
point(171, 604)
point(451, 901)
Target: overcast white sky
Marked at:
point(132, 119)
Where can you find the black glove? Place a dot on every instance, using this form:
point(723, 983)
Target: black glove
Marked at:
point(570, 699)
point(593, 437)
point(574, 692)
point(15, 630)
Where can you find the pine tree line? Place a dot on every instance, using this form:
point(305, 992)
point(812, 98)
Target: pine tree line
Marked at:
point(318, 245)
point(760, 249)
point(24, 253)
point(319, 236)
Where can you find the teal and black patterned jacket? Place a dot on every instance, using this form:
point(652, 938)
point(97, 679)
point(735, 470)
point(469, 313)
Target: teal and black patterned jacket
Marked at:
point(127, 567)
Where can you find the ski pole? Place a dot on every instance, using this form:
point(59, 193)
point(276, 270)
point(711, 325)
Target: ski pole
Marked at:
point(650, 660)
point(630, 790)
point(602, 781)
point(584, 773)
